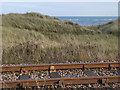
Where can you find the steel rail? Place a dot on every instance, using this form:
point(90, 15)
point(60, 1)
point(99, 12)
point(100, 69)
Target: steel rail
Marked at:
point(60, 66)
point(60, 81)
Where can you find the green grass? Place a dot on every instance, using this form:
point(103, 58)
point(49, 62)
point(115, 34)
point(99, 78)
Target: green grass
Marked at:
point(109, 28)
point(35, 38)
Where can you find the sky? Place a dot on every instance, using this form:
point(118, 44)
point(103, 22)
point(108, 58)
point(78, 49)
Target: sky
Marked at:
point(63, 8)
point(59, 0)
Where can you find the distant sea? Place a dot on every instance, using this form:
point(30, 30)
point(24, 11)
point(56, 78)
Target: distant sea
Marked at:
point(88, 20)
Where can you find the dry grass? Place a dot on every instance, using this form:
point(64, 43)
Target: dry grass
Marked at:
point(49, 40)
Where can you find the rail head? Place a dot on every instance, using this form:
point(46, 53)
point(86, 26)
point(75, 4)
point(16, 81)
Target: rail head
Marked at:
point(65, 81)
point(59, 66)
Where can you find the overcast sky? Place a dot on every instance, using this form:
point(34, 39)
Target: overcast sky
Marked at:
point(59, 0)
point(63, 8)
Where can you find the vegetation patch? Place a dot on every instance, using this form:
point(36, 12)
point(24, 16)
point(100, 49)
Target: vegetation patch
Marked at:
point(35, 38)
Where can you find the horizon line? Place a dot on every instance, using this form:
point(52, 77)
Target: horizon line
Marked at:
point(84, 15)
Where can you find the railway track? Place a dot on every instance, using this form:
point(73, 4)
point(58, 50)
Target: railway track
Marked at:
point(77, 75)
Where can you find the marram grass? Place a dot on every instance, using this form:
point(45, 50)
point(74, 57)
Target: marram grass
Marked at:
point(35, 38)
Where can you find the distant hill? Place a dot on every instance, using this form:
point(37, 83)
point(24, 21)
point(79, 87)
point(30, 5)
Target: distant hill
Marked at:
point(110, 27)
point(36, 38)
point(41, 23)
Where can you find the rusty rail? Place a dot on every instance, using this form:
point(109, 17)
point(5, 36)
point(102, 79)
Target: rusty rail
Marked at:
point(60, 66)
point(58, 81)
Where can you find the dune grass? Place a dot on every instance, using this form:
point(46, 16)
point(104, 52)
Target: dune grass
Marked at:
point(35, 38)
